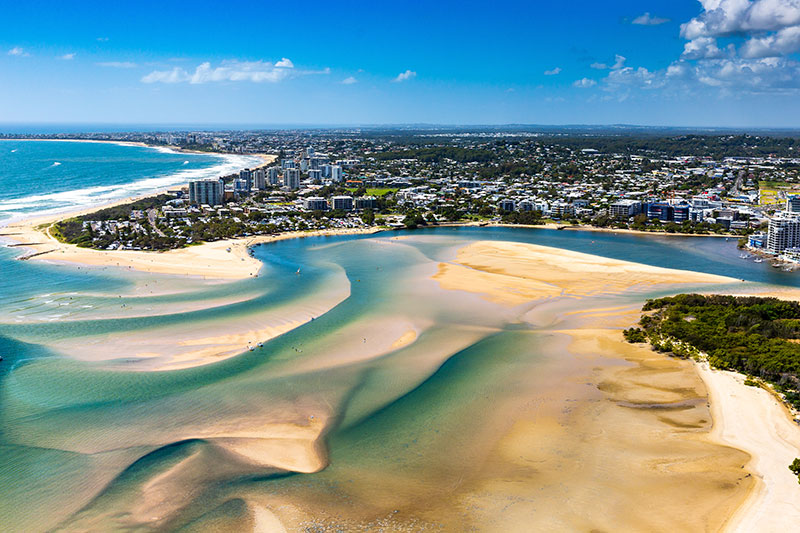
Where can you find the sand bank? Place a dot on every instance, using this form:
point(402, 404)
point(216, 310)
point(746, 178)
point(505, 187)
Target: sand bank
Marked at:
point(516, 273)
point(688, 453)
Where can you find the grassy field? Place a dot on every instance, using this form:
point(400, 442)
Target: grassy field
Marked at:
point(769, 191)
point(376, 192)
point(774, 185)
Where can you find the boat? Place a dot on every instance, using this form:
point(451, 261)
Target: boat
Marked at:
point(250, 348)
point(298, 272)
point(759, 260)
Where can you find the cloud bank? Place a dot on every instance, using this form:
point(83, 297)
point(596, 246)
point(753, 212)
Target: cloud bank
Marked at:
point(231, 71)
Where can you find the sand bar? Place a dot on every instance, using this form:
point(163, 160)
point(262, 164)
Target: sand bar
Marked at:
point(516, 273)
point(749, 419)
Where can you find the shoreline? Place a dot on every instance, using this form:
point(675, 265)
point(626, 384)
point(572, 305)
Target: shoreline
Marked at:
point(751, 419)
point(203, 260)
point(608, 230)
point(227, 259)
point(67, 212)
point(25, 233)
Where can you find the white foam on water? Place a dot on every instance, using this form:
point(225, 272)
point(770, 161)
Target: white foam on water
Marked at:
point(95, 196)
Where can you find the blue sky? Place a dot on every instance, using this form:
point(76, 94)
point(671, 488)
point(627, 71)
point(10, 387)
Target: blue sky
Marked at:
point(679, 62)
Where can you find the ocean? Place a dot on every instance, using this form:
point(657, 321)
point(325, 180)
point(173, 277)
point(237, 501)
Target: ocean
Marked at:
point(41, 176)
point(90, 439)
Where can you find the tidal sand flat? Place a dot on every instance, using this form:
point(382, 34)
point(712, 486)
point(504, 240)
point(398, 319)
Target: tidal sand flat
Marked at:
point(417, 399)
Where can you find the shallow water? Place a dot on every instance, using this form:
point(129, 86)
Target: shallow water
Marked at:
point(94, 435)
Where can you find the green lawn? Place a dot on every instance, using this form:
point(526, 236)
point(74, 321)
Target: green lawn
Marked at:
point(376, 192)
point(774, 185)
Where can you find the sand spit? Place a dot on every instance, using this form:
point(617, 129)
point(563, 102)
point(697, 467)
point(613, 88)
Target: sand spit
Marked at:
point(516, 273)
point(228, 259)
point(752, 419)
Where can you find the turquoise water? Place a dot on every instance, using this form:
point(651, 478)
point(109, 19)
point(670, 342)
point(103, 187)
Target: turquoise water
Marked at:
point(37, 176)
point(83, 443)
point(99, 433)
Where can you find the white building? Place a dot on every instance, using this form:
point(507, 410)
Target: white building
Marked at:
point(291, 178)
point(336, 173)
point(272, 175)
point(624, 209)
point(246, 175)
point(259, 179)
point(206, 192)
point(784, 232)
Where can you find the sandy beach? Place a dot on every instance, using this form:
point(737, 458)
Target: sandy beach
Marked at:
point(753, 420)
point(227, 259)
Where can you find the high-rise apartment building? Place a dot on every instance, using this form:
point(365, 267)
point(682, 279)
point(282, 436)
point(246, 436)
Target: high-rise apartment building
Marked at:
point(206, 192)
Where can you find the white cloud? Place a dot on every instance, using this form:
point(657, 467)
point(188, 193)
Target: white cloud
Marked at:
point(702, 48)
point(102, 39)
point(252, 71)
point(405, 76)
point(771, 28)
point(552, 72)
point(18, 51)
point(729, 17)
point(783, 42)
point(68, 57)
point(350, 80)
point(117, 64)
point(760, 36)
point(619, 62)
point(584, 83)
point(176, 75)
point(648, 20)
point(638, 77)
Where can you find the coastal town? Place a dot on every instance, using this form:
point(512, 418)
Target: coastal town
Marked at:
point(353, 179)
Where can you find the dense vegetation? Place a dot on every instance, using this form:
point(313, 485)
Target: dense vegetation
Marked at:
point(747, 334)
point(123, 211)
point(715, 146)
point(437, 154)
point(795, 468)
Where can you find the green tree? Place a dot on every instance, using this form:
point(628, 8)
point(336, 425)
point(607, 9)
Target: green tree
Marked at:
point(368, 216)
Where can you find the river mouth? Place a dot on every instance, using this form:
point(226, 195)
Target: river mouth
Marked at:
point(409, 401)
